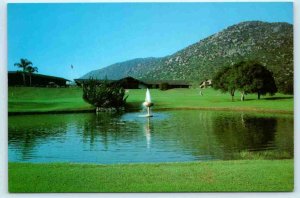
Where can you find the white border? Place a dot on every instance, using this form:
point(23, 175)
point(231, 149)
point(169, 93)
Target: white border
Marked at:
point(3, 108)
point(135, 1)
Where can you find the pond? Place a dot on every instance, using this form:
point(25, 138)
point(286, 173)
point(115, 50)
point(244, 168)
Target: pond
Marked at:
point(169, 136)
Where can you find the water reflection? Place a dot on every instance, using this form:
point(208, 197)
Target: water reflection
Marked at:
point(236, 134)
point(147, 132)
point(27, 140)
point(126, 138)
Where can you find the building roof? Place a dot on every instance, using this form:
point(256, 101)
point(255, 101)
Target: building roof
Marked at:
point(80, 80)
point(41, 75)
point(170, 82)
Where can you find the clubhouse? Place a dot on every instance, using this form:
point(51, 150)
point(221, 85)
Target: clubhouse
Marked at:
point(133, 83)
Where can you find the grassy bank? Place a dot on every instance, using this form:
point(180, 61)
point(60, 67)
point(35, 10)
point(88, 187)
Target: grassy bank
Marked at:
point(32, 99)
point(220, 176)
point(211, 99)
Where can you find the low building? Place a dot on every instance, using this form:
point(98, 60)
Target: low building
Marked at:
point(169, 83)
point(126, 83)
point(133, 83)
point(15, 78)
point(81, 81)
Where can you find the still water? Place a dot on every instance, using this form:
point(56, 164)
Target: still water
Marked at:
point(169, 136)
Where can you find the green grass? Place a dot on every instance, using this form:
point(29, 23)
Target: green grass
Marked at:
point(211, 99)
point(264, 155)
point(34, 99)
point(29, 99)
point(218, 176)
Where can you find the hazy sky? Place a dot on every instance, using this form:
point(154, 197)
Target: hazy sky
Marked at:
point(92, 36)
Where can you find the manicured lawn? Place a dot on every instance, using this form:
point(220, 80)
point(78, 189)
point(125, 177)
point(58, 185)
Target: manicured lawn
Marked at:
point(211, 99)
point(218, 176)
point(29, 99)
point(34, 99)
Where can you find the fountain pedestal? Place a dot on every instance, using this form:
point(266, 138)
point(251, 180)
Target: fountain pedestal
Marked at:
point(148, 105)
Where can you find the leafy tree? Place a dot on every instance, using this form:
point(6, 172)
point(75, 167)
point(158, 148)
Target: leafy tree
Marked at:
point(30, 71)
point(103, 94)
point(241, 80)
point(23, 64)
point(285, 82)
point(287, 87)
point(252, 77)
point(224, 81)
point(247, 77)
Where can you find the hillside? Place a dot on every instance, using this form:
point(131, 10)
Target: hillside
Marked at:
point(269, 43)
point(136, 68)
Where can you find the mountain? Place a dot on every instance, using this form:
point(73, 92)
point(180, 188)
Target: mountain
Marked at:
point(268, 43)
point(135, 68)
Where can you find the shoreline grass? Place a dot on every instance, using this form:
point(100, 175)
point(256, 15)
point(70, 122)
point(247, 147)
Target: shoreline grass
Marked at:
point(33, 100)
point(216, 176)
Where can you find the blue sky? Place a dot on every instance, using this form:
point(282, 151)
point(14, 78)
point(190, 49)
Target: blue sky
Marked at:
point(95, 35)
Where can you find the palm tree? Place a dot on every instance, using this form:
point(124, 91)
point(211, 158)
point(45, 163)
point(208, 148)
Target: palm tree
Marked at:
point(31, 70)
point(23, 64)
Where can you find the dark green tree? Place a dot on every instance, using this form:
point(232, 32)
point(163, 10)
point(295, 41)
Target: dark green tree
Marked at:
point(241, 80)
point(104, 94)
point(285, 82)
point(224, 81)
point(252, 77)
point(30, 71)
point(23, 64)
point(246, 77)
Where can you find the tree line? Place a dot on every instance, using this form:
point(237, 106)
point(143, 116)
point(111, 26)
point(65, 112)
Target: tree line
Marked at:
point(27, 67)
point(245, 77)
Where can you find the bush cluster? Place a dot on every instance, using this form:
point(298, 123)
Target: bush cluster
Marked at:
point(102, 94)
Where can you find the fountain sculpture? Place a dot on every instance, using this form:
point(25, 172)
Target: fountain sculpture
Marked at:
point(148, 103)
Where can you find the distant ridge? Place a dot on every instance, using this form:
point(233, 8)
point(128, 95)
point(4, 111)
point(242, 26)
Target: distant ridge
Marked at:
point(268, 43)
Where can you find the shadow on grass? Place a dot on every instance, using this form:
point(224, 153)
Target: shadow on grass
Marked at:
point(278, 98)
point(270, 98)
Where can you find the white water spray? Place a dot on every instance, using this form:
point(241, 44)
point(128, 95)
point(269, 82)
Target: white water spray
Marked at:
point(148, 103)
point(148, 97)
